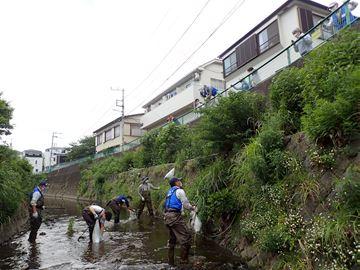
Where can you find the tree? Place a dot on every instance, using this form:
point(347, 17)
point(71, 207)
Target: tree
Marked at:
point(83, 148)
point(5, 117)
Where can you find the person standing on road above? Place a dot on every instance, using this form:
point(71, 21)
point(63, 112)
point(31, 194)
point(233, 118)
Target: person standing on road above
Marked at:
point(144, 192)
point(301, 45)
point(93, 212)
point(175, 201)
point(36, 205)
point(117, 203)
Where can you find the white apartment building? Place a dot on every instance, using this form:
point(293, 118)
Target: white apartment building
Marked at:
point(35, 158)
point(268, 38)
point(180, 98)
point(54, 156)
point(118, 132)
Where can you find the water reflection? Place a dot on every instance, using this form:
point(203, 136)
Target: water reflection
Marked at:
point(131, 244)
point(33, 261)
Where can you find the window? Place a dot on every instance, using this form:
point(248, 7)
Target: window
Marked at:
point(108, 135)
point(268, 37)
point(317, 19)
point(116, 131)
point(230, 63)
point(35, 161)
point(247, 51)
point(218, 84)
point(171, 94)
point(135, 129)
point(99, 139)
point(306, 19)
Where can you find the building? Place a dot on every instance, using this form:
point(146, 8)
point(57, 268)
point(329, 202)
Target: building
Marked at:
point(112, 134)
point(267, 39)
point(35, 158)
point(179, 98)
point(54, 156)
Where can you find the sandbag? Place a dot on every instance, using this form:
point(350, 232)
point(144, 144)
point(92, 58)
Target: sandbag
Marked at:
point(97, 235)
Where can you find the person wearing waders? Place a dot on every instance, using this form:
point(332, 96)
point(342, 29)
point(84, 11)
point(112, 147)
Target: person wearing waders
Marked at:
point(117, 203)
point(175, 201)
point(92, 213)
point(36, 205)
point(144, 192)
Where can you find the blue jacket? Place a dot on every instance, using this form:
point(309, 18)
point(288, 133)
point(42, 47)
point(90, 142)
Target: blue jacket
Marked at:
point(171, 200)
point(122, 199)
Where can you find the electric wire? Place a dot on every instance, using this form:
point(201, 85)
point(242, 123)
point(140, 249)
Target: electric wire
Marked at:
point(171, 49)
point(225, 19)
point(163, 59)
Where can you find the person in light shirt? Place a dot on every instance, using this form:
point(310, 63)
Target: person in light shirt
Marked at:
point(92, 213)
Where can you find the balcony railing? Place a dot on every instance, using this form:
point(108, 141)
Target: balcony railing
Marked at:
point(320, 33)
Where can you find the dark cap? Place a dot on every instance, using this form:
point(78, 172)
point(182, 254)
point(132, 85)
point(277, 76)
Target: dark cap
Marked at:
point(174, 180)
point(43, 183)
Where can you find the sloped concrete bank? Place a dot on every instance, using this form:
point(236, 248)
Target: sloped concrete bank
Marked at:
point(14, 225)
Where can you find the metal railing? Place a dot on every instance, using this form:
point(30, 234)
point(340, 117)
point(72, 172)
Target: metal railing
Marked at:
point(320, 33)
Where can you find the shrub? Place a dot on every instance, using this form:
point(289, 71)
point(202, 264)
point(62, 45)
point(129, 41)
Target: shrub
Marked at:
point(286, 97)
point(16, 181)
point(274, 239)
point(232, 121)
point(163, 145)
point(332, 92)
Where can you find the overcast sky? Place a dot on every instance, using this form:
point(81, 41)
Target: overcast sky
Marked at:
point(59, 58)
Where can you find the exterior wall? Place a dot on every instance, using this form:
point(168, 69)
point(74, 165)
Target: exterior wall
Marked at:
point(54, 160)
point(125, 135)
point(184, 99)
point(288, 20)
point(36, 163)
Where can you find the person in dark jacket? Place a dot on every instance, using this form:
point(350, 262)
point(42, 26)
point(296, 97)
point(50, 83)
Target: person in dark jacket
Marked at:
point(93, 212)
point(117, 203)
point(144, 192)
point(36, 205)
point(175, 201)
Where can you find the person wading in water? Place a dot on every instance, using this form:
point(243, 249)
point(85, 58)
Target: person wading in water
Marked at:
point(175, 201)
point(36, 205)
point(144, 192)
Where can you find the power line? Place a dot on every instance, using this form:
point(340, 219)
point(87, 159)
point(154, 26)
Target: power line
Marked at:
point(225, 19)
point(172, 48)
point(164, 58)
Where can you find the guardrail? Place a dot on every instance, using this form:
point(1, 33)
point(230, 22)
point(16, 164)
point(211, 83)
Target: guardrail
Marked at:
point(319, 34)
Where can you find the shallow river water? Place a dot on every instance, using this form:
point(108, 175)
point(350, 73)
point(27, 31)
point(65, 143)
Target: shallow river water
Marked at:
point(132, 244)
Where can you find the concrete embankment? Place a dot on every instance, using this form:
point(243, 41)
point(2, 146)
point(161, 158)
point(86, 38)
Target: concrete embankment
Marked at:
point(63, 183)
point(14, 225)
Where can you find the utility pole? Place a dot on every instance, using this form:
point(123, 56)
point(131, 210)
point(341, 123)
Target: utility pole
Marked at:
point(54, 135)
point(121, 103)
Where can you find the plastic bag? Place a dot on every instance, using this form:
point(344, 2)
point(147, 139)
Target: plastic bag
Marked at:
point(195, 222)
point(97, 235)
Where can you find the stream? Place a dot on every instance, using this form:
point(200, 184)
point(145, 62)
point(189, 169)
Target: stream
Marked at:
point(131, 244)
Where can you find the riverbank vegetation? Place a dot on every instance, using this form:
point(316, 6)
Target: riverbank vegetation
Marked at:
point(276, 179)
point(16, 178)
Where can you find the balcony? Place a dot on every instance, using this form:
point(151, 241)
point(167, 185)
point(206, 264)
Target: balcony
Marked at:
point(172, 106)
